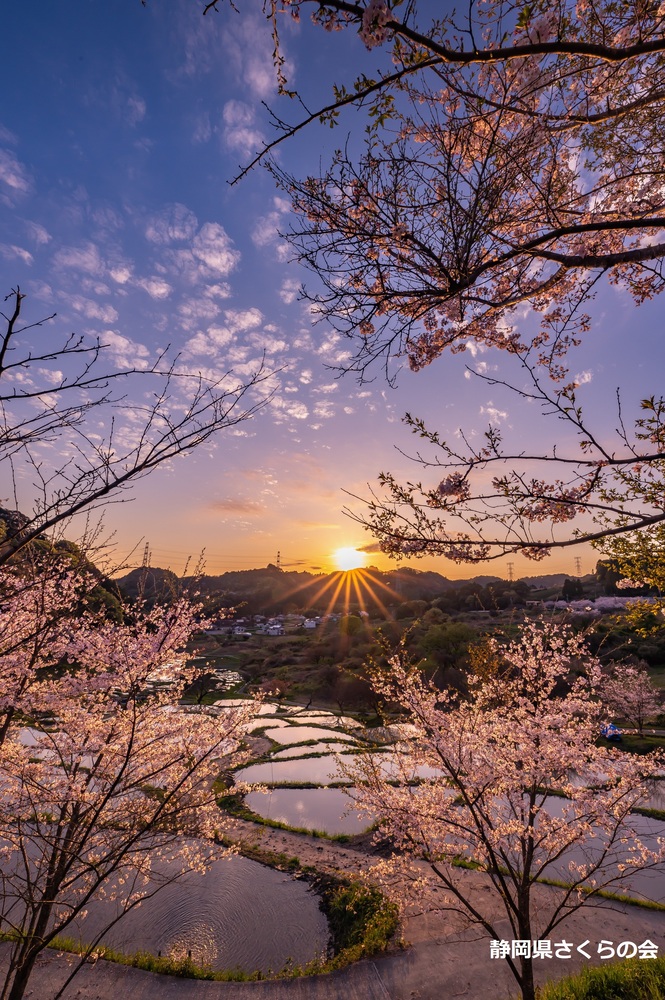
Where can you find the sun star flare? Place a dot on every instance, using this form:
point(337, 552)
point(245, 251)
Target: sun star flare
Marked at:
point(349, 558)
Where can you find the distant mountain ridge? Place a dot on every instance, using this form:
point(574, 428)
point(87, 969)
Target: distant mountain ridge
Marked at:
point(271, 588)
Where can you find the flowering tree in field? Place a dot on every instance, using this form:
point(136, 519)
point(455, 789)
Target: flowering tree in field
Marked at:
point(528, 730)
point(512, 163)
point(106, 785)
point(629, 692)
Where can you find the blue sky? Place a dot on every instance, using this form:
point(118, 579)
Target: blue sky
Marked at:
point(122, 131)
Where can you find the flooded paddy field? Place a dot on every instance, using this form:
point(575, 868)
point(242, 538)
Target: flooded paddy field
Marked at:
point(240, 914)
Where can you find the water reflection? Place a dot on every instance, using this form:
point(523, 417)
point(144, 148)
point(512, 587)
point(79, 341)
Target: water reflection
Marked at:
point(318, 748)
point(319, 770)
point(299, 734)
point(311, 808)
point(238, 915)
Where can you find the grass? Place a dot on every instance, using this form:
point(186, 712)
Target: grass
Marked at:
point(635, 979)
point(632, 743)
point(183, 968)
point(616, 897)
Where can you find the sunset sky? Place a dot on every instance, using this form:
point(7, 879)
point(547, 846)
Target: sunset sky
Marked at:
point(120, 128)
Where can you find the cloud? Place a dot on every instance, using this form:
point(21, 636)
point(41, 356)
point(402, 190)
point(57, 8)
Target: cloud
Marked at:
point(194, 311)
point(285, 408)
point(495, 415)
point(85, 258)
point(235, 321)
point(214, 248)
point(481, 368)
point(11, 252)
point(13, 175)
point(268, 343)
point(248, 46)
point(241, 320)
point(288, 293)
point(37, 233)
point(237, 506)
point(125, 352)
point(156, 288)
point(7, 136)
point(174, 224)
point(324, 410)
point(583, 377)
point(370, 547)
point(239, 131)
point(218, 291)
point(92, 310)
point(202, 128)
point(266, 230)
point(121, 273)
point(136, 109)
point(94, 286)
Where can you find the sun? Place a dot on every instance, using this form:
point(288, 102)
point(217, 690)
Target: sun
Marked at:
point(349, 558)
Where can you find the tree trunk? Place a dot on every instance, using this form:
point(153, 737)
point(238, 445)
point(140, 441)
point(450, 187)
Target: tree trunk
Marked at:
point(527, 984)
point(22, 974)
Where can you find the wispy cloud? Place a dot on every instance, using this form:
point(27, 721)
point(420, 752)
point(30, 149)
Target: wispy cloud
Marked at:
point(37, 233)
point(86, 258)
point(12, 252)
point(14, 177)
point(237, 505)
point(248, 47)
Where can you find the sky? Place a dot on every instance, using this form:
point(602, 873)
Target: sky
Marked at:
point(121, 129)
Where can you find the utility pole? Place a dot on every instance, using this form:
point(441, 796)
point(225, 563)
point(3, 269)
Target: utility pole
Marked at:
point(578, 566)
point(278, 564)
point(510, 571)
point(146, 556)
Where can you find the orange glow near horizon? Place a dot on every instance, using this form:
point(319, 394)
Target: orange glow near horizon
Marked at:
point(349, 558)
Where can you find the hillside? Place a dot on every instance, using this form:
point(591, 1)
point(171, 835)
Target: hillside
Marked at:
point(273, 590)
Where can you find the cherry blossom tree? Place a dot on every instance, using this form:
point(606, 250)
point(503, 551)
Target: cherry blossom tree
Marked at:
point(107, 786)
point(511, 164)
point(629, 692)
point(68, 398)
point(488, 500)
point(501, 761)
